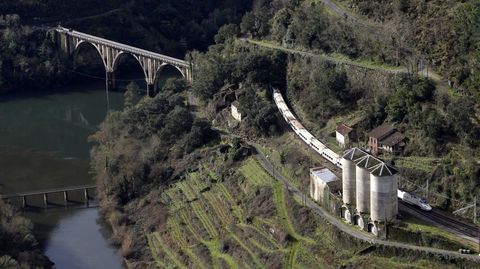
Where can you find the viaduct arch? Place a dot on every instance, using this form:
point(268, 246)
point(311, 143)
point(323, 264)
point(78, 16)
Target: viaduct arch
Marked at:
point(110, 51)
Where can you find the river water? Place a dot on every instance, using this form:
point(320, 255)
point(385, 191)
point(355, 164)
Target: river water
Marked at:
point(43, 144)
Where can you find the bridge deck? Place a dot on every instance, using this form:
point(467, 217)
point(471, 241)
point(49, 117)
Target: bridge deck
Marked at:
point(47, 191)
point(123, 47)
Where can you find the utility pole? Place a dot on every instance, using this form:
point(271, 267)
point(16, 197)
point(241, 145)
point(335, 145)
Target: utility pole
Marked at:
point(475, 210)
point(426, 196)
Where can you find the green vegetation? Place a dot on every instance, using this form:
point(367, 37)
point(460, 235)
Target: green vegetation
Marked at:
point(234, 63)
point(446, 33)
point(28, 57)
point(322, 91)
point(309, 25)
point(336, 58)
point(18, 246)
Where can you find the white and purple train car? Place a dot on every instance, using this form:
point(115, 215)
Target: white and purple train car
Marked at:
point(303, 133)
point(327, 153)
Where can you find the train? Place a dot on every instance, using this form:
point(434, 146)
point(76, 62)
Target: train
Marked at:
point(327, 153)
point(414, 200)
point(303, 133)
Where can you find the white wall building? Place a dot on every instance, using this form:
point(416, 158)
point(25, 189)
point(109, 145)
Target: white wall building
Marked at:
point(322, 180)
point(236, 114)
point(343, 135)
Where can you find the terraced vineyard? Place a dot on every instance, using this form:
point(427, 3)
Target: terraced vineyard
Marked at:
point(246, 219)
point(209, 226)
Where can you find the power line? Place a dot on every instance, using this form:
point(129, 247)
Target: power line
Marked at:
point(103, 78)
point(433, 193)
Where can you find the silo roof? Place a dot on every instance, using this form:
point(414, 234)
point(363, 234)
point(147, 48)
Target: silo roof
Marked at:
point(354, 153)
point(375, 165)
point(382, 170)
point(367, 161)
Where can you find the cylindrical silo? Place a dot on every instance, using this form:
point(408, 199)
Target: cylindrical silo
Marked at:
point(363, 189)
point(348, 181)
point(383, 196)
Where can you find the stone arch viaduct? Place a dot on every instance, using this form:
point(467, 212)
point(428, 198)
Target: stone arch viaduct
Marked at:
point(152, 63)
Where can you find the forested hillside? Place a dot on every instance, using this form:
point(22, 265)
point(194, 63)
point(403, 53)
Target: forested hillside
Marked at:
point(444, 32)
point(440, 116)
point(29, 59)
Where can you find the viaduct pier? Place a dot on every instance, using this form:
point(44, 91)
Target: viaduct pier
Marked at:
point(111, 52)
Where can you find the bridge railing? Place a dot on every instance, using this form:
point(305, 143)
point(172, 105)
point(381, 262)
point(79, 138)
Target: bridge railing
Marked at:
point(46, 191)
point(123, 47)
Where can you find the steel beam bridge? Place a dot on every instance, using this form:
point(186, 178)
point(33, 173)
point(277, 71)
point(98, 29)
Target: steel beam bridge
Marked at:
point(152, 63)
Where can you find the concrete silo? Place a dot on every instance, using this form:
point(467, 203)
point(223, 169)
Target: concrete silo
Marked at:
point(349, 175)
point(383, 192)
point(363, 182)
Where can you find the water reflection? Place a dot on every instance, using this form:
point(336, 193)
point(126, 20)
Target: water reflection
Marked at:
point(43, 144)
point(75, 239)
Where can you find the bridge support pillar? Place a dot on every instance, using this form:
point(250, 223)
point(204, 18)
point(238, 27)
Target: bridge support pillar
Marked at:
point(24, 201)
point(151, 90)
point(110, 81)
point(85, 192)
point(65, 198)
point(45, 200)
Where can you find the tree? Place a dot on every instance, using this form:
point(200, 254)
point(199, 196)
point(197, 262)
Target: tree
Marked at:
point(249, 24)
point(226, 32)
point(266, 118)
point(200, 134)
point(280, 23)
point(459, 115)
point(174, 85)
point(132, 95)
point(177, 122)
point(308, 26)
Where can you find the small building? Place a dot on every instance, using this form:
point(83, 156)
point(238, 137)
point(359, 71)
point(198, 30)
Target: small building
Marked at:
point(385, 139)
point(344, 135)
point(322, 183)
point(236, 114)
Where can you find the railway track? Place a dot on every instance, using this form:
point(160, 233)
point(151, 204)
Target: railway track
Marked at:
point(437, 217)
point(448, 221)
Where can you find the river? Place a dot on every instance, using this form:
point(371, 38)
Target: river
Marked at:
point(43, 144)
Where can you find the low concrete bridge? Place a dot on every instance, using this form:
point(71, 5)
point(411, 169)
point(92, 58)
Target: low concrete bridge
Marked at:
point(66, 191)
point(152, 63)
